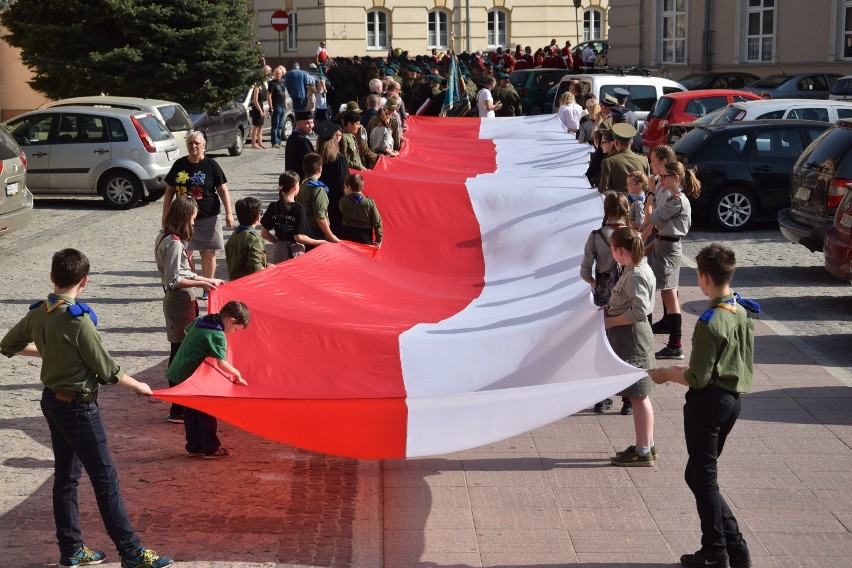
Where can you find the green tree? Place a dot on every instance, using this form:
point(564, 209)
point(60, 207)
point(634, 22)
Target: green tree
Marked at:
point(200, 53)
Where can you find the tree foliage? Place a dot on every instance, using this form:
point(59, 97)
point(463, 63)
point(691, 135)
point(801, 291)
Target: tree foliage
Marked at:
point(200, 53)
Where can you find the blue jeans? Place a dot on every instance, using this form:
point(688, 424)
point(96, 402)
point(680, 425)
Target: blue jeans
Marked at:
point(709, 416)
point(80, 441)
point(277, 123)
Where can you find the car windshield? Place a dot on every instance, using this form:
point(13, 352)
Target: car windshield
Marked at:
point(518, 78)
point(155, 129)
point(8, 147)
point(661, 109)
point(709, 117)
point(692, 80)
point(771, 82)
point(826, 154)
point(842, 87)
point(726, 114)
point(175, 117)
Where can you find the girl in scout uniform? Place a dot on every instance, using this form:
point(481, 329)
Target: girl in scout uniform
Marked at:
point(630, 337)
point(672, 219)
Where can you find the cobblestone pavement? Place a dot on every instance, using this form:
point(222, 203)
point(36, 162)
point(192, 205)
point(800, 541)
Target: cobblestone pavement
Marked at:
point(800, 300)
point(269, 505)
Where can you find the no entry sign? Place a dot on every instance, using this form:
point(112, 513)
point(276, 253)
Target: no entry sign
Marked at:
point(280, 20)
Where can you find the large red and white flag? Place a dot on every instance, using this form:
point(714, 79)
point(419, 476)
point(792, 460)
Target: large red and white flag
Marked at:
point(470, 325)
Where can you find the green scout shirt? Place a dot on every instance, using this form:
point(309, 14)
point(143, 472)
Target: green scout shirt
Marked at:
point(244, 253)
point(362, 215)
point(73, 357)
point(200, 343)
point(349, 147)
point(315, 201)
point(722, 348)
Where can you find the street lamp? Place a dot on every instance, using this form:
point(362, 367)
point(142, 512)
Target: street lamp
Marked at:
point(577, 4)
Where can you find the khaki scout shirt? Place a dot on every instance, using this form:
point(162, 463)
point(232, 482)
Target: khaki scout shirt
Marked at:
point(244, 253)
point(362, 214)
point(617, 167)
point(73, 357)
point(722, 348)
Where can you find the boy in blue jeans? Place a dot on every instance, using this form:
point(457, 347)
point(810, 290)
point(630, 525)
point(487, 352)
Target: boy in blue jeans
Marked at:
point(205, 337)
point(71, 372)
point(720, 369)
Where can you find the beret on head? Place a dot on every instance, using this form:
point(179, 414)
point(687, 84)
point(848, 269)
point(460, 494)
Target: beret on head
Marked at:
point(326, 129)
point(304, 115)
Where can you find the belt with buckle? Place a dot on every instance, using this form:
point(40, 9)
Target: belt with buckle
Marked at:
point(71, 396)
point(669, 239)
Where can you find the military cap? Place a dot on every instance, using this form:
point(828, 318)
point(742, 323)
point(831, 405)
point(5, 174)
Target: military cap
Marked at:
point(621, 93)
point(414, 68)
point(326, 129)
point(353, 106)
point(304, 115)
point(609, 100)
point(436, 78)
point(392, 103)
point(618, 111)
point(623, 132)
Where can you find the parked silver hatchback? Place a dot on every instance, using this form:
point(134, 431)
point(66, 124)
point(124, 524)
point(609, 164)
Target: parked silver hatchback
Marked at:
point(16, 201)
point(122, 155)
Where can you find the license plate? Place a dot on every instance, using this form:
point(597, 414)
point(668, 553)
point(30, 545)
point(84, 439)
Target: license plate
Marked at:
point(11, 189)
point(846, 221)
point(803, 194)
point(171, 154)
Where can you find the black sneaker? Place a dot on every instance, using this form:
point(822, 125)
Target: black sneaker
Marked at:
point(629, 458)
point(626, 408)
point(603, 405)
point(654, 452)
point(740, 558)
point(669, 353)
point(704, 560)
point(661, 327)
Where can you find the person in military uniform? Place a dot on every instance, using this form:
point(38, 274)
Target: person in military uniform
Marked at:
point(608, 102)
point(355, 144)
point(408, 86)
point(61, 330)
point(621, 95)
point(616, 168)
point(298, 145)
point(505, 93)
point(720, 369)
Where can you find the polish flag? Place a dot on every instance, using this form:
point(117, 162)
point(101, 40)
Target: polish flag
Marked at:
point(470, 325)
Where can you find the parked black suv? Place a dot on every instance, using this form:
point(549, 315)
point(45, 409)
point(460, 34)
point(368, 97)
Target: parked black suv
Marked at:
point(744, 167)
point(821, 178)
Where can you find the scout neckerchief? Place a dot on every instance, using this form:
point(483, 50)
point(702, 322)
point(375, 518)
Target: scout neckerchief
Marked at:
point(317, 183)
point(241, 228)
point(76, 309)
point(731, 306)
point(631, 198)
point(356, 198)
point(211, 321)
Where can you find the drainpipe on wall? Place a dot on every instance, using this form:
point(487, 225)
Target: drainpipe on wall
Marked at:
point(641, 31)
point(707, 46)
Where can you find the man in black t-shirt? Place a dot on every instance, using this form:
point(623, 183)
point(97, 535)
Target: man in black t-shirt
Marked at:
point(276, 95)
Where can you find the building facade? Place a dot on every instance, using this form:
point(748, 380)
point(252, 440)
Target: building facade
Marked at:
point(372, 27)
point(758, 36)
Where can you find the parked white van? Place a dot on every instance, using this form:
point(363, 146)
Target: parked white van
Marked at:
point(644, 91)
point(842, 89)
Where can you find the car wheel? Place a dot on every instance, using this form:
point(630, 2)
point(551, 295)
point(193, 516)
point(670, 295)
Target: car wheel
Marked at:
point(288, 128)
point(733, 209)
point(121, 189)
point(154, 194)
point(237, 147)
point(535, 108)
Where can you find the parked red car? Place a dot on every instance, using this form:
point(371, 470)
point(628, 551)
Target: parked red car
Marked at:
point(838, 240)
point(685, 106)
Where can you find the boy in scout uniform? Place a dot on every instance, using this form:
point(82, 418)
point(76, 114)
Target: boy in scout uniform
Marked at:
point(62, 332)
point(616, 168)
point(720, 369)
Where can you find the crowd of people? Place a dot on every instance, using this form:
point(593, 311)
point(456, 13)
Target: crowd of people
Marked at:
point(321, 200)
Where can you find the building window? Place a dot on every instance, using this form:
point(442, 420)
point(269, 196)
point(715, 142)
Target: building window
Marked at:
point(377, 30)
point(674, 31)
point(292, 33)
point(438, 29)
point(592, 24)
point(760, 27)
point(846, 32)
point(497, 28)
